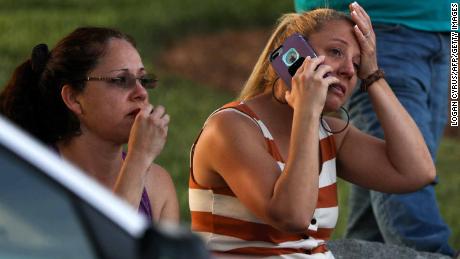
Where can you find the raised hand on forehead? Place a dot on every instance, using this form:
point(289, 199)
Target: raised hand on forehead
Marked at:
point(366, 38)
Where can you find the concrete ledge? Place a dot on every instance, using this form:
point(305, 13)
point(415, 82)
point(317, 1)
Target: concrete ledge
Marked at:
point(352, 248)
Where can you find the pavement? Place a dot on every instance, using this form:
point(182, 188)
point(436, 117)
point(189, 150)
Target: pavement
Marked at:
point(352, 248)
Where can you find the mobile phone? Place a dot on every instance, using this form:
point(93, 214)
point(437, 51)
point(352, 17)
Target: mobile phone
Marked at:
point(287, 58)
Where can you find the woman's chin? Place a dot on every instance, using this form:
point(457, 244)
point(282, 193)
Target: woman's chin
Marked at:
point(332, 105)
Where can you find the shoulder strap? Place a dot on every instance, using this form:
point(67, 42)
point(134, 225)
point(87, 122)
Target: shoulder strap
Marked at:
point(243, 109)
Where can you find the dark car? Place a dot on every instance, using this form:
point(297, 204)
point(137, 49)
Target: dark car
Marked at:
point(50, 209)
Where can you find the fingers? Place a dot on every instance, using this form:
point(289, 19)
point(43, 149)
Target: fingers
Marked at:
point(360, 10)
point(321, 73)
point(362, 39)
point(362, 19)
point(322, 70)
point(306, 69)
point(363, 25)
point(302, 68)
point(312, 67)
point(146, 110)
point(159, 116)
point(165, 121)
point(158, 112)
point(309, 65)
point(331, 80)
point(315, 63)
point(366, 38)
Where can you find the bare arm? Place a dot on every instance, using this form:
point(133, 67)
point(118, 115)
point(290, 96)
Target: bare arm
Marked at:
point(162, 195)
point(402, 163)
point(147, 138)
point(232, 147)
point(287, 199)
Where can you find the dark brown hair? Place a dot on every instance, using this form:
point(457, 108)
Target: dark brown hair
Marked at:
point(32, 97)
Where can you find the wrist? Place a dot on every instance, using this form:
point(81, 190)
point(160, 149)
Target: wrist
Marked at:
point(372, 78)
point(138, 159)
point(307, 115)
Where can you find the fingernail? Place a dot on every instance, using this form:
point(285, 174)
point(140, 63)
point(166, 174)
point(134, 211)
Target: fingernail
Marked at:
point(354, 13)
point(354, 3)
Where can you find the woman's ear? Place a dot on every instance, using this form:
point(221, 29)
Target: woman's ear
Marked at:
point(69, 96)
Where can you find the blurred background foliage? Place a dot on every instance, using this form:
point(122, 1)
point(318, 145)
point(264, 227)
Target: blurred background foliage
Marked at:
point(156, 25)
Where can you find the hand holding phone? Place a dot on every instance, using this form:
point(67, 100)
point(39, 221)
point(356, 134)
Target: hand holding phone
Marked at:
point(287, 58)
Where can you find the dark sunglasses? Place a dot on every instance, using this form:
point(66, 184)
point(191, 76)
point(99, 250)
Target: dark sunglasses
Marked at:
point(128, 81)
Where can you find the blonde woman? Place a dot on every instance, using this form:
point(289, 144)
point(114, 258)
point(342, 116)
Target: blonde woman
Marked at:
point(263, 169)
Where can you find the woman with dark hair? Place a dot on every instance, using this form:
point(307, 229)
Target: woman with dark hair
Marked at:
point(263, 169)
point(88, 97)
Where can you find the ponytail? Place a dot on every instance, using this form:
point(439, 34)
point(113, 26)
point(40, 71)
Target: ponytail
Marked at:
point(21, 100)
point(32, 98)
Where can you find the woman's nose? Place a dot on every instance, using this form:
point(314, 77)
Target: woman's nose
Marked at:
point(139, 92)
point(347, 68)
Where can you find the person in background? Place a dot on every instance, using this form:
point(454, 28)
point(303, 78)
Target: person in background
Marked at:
point(413, 50)
point(263, 169)
point(86, 98)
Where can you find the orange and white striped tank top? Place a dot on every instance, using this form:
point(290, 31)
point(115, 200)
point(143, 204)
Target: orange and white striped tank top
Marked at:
point(230, 230)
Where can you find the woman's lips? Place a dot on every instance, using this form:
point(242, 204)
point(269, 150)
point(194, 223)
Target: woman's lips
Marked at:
point(134, 112)
point(338, 88)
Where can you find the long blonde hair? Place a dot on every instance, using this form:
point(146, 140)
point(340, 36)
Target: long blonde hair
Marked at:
point(263, 75)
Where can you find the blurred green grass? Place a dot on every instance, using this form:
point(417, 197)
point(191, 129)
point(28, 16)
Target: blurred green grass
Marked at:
point(156, 24)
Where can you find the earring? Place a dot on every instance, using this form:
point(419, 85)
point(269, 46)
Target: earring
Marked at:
point(336, 132)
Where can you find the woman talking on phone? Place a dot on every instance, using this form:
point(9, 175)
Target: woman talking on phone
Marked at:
point(263, 169)
point(86, 98)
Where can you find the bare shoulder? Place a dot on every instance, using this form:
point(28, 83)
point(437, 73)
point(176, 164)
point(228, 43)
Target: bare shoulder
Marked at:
point(230, 125)
point(158, 173)
point(159, 181)
point(226, 134)
point(162, 193)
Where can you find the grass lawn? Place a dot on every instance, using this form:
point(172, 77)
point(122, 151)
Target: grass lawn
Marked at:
point(155, 24)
